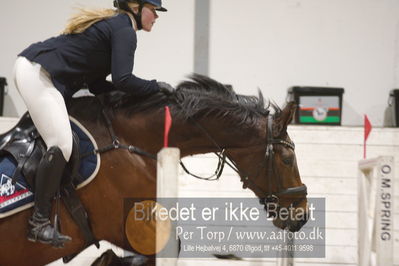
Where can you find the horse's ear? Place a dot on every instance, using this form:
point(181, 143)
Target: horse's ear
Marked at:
point(283, 119)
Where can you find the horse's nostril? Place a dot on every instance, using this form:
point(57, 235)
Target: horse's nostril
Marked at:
point(295, 226)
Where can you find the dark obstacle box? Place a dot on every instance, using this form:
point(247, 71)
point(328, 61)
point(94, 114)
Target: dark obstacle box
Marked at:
point(3, 84)
point(393, 105)
point(317, 105)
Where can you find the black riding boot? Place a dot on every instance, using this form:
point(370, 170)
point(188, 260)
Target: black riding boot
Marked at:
point(48, 178)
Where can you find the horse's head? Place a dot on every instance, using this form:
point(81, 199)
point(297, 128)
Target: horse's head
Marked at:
point(270, 170)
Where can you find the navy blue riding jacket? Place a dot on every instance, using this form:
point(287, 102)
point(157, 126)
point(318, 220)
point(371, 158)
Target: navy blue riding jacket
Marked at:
point(77, 60)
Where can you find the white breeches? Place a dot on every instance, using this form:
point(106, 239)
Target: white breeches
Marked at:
point(45, 104)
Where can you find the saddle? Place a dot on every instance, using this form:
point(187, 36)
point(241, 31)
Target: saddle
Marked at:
point(26, 147)
point(23, 146)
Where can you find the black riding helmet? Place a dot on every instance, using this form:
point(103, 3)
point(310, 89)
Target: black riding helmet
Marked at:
point(122, 4)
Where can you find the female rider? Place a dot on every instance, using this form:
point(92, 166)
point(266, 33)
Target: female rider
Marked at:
point(94, 44)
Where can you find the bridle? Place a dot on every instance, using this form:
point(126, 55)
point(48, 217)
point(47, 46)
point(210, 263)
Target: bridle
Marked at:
point(273, 197)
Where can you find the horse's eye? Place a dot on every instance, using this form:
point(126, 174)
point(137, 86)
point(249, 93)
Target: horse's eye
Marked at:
point(288, 160)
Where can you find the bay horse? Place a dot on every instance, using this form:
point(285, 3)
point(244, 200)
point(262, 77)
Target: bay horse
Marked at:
point(254, 139)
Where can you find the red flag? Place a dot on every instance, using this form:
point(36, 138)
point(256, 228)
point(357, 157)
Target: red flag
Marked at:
point(168, 124)
point(367, 130)
point(367, 127)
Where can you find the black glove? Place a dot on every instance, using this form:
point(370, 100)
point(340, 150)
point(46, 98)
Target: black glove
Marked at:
point(166, 88)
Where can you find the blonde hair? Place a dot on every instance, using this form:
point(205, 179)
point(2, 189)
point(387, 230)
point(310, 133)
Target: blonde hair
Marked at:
point(86, 17)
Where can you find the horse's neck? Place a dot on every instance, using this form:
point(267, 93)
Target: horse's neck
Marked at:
point(208, 135)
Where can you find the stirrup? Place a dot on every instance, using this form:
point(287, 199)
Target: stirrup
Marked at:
point(42, 231)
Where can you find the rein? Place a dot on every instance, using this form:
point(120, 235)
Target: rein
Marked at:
point(116, 144)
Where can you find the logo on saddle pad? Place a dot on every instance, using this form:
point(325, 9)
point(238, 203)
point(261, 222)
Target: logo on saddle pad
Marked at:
point(7, 188)
point(10, 193)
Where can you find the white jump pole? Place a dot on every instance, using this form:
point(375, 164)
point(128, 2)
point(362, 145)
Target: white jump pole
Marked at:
point(167, 174)
point(375, 211)
point(287, 257)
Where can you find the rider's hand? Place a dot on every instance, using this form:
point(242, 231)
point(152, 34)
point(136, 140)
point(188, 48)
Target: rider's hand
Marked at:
point(166, 88)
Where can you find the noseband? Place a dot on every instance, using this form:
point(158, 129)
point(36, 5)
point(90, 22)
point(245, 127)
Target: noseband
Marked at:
point(273, 197)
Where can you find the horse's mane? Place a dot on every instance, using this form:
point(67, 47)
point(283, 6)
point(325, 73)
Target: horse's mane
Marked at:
point(200, 96)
